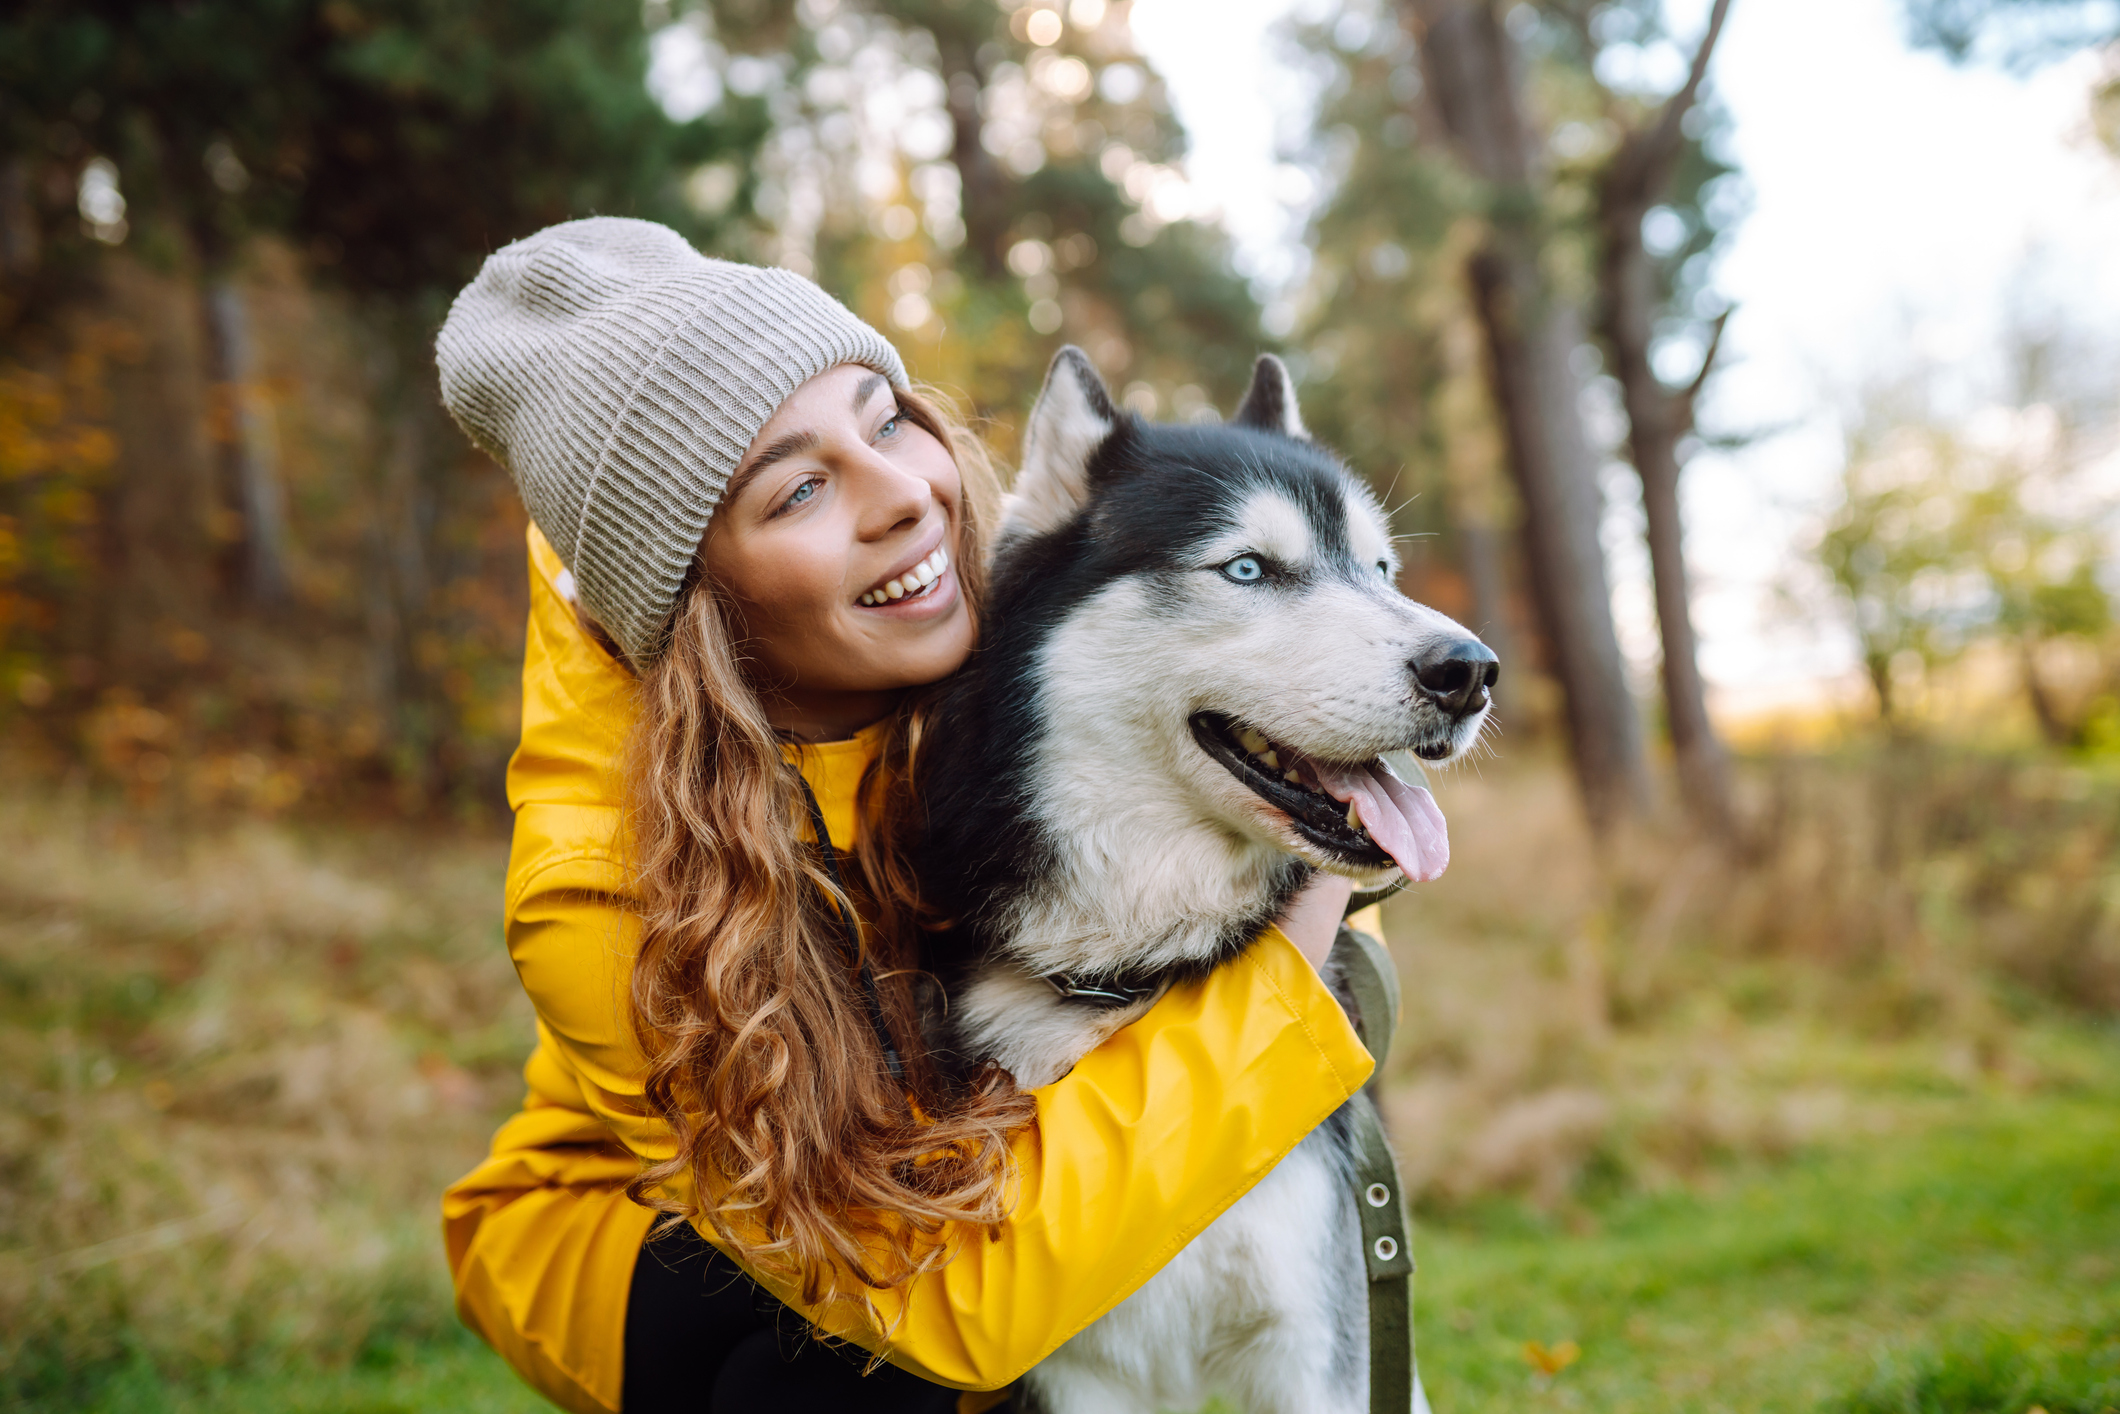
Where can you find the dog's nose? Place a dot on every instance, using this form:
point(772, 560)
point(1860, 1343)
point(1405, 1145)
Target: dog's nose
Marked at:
point(1456, 675)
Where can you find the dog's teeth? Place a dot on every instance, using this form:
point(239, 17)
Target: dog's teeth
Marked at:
point(1354, 821)
point(1271, 758)
point(1251, 741)
point(1291, 777)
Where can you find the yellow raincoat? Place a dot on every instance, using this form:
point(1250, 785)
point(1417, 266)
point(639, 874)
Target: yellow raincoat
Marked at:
point(1142, 1145)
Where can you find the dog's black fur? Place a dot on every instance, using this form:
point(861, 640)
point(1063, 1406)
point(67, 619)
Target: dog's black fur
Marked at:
point(1155, 489)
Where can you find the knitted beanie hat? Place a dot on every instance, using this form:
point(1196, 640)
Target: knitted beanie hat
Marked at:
point(619, 375)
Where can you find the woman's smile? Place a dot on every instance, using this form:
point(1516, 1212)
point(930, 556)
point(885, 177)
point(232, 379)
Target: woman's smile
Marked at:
point(925, 588)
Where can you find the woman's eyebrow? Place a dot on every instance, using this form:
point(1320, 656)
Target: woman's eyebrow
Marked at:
point(794, 444)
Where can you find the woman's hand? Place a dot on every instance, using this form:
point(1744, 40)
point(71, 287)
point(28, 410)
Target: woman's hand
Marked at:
point(1312, 918)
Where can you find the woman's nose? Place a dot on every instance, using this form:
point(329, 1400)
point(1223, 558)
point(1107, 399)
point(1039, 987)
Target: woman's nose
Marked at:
point(892, 495)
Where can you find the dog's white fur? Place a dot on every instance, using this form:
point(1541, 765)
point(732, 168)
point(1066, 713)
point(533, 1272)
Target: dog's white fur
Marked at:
point(1268, 1305)
point(1064, 431)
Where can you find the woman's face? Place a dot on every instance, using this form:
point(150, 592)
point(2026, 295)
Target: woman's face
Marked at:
point(839, 502)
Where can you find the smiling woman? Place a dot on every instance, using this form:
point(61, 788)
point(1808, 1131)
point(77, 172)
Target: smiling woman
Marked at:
point(757, 550)
point(855, 493)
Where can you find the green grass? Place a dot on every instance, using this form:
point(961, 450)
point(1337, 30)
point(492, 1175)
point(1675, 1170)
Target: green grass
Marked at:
point(1747, 1138)
point(1995, 1369)
point(449, 1376)
point(1971, 1267)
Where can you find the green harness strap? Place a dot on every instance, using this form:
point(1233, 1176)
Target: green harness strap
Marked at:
point(1379, 1197)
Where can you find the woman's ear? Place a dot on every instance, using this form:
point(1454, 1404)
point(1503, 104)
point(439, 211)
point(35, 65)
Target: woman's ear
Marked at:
point(1072, 419)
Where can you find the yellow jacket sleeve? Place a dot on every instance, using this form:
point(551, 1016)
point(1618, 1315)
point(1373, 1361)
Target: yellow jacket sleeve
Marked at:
point(1143, 1144)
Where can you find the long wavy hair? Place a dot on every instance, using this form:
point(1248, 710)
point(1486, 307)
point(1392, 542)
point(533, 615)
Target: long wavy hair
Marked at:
point(807, 1158)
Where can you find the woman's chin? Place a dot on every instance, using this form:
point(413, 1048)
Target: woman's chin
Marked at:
point(913, 652)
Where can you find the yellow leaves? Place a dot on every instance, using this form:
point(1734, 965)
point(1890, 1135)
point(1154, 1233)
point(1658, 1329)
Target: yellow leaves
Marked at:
point(39, 436)
point(48, 422)
point(153, 753)
point(1550, 1360)
point(187, 646)
point(54, 451)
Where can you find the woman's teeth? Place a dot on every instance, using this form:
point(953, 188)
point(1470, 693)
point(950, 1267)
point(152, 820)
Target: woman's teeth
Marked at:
point(913, 583)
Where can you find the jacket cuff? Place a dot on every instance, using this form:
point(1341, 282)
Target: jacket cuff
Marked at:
point(1290, 976)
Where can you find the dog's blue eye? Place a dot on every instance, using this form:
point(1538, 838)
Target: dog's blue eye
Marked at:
point(1245, 569)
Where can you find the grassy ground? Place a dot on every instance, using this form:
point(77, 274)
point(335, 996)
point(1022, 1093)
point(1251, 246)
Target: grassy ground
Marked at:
point(238, 1062)
point(456, 1374)
point(1971, 1267)
point(1831, 1125)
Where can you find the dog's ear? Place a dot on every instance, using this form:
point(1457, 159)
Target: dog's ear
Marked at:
point(1073, 416)
point(1270, 405)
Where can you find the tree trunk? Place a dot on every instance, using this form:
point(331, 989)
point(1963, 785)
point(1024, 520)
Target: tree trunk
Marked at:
point(19, 244)
point(2052, 725)
point(982, 184)
point(1703, 768)
point(1481, 548)
point(1470, 66)
point(1879, 668)
point(253, 446)
point(1472, 457)
point(1658, 418)
point(400, 602)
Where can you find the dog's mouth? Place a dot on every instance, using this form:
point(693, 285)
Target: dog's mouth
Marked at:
point(1360, 813)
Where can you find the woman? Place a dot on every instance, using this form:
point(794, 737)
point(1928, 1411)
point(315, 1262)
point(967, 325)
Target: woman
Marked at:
point(754, 547)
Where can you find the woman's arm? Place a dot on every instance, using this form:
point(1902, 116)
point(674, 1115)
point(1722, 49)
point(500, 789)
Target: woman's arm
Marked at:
point(1136, 1150)
point(1312, 919)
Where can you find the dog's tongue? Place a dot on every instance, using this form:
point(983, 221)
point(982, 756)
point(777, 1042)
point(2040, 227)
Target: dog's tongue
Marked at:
point(1402, 819)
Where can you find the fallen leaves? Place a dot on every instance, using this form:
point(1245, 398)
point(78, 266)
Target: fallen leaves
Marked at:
point(1550, 1360)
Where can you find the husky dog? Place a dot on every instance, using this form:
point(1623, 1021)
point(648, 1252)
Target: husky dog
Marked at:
point(1192, 660)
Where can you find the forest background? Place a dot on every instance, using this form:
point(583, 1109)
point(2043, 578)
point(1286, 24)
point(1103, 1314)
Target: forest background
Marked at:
point(1711, 1051)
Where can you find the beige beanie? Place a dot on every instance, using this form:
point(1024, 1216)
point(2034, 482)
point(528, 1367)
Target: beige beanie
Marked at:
point(619, 375)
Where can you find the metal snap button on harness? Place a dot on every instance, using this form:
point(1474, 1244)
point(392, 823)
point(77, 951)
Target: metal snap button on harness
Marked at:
point(1378, 1195)
point(1386, 1249)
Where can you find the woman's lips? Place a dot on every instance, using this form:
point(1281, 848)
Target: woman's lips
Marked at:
point(935, 601)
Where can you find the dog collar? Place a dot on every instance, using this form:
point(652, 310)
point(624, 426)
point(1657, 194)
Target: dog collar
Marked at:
point(1104, 993)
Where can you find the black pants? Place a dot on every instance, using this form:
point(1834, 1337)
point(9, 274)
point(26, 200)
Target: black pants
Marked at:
point(703, 1338)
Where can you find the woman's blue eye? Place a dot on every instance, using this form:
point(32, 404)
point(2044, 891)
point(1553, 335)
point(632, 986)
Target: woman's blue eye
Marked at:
point(801, 493)
point(1245, 569)
point(889, 429)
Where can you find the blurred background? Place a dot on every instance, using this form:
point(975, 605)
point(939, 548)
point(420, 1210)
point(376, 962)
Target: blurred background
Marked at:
point(1747, 374)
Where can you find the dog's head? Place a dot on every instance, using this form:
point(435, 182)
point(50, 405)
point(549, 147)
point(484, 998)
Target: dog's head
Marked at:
point(1210, 619)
